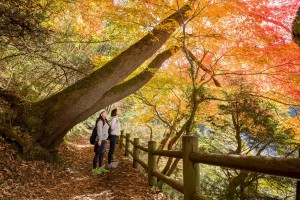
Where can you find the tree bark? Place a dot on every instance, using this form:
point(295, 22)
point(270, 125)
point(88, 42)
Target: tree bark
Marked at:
point(237, 128)
point(173, 167)
point(185, 128)
point(234, 183)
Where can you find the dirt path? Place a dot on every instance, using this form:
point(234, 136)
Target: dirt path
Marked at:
point(73, 179)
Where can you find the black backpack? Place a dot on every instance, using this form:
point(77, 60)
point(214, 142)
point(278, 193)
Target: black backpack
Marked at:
point(94, 135)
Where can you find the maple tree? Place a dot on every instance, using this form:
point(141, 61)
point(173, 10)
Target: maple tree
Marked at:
point(76, 81)
point(256, 129)
point(261, 55)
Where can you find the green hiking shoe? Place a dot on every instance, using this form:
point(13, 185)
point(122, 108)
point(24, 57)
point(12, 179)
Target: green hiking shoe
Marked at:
point(102, 169)
point(97, 171)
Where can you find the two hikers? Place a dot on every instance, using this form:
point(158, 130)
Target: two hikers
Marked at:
point(103, 127)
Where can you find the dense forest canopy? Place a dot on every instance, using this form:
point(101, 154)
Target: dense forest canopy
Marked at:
point(62, 61)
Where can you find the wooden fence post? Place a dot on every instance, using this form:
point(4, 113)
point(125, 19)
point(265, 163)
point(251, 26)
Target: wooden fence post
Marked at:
point(121, 139)
point(152, 165)
point(191, 176)
point(127, 144)
point(135, 152)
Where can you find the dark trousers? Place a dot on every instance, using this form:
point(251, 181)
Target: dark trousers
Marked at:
point(112, 145)
point(99, 153)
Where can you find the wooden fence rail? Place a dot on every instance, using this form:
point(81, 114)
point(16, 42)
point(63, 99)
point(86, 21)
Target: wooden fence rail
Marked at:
point(142, 148)
point(190, 186)
point(286, 167)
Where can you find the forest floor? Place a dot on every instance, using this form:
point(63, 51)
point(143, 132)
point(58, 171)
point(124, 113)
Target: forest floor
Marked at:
point(72, 178)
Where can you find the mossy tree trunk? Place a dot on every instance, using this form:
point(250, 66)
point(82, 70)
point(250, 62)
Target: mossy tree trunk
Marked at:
point(46, 122)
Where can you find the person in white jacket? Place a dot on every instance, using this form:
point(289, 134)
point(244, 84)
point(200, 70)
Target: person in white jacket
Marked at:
point(100, 144)
point(115, 132)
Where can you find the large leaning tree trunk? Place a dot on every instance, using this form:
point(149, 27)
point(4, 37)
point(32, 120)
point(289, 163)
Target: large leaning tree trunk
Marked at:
point(46, 122)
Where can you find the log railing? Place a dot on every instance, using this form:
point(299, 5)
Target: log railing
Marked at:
point(190, 186)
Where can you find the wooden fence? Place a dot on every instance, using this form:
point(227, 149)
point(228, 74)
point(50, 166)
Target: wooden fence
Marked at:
point(190, 186)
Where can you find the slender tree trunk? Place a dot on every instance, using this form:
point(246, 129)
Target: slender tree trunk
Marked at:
point(173, 167)
point(164, 142)
point(242, 191)
point(185, 128)
point(237, 128)
point(234, 183)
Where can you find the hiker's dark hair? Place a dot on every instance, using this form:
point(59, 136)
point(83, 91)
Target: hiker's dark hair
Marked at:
point(101, 118)
point(114, 112)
